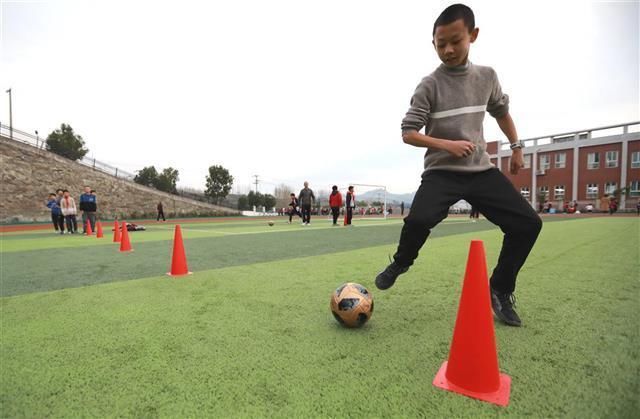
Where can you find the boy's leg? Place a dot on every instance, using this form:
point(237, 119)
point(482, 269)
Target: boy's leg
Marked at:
point(54, 220)
point(437, 192)
point(497, 199)
point(84, 222)
point(74, 220)
point(92, 220)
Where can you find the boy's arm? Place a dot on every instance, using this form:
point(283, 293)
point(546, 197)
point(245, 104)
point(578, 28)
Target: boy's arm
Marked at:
point(508, 127)
point(459, 148)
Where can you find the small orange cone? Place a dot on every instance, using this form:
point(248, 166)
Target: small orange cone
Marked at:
point(472, 369)
point(88, 228)
point(117, 236)
point(125, 244)
point(99, 233)
point(179, 259)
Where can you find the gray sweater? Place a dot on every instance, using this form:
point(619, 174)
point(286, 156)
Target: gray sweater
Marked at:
point(450, 103)
point(306, 196)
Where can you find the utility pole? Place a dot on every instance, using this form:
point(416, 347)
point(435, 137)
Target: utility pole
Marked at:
point(256, 182)
point(10, 116)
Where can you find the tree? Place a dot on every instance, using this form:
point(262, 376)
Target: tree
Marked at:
point(219, 182)
point(166, 181)
point(243, 203)
point(254, 199)
point(282, 193)
point(66, 143)
point(147, 176)
point(269, 201)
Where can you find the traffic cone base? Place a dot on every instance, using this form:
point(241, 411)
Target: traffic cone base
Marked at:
point(99, 232)
point(499, 397)
point(88, 229)
point(188, 273)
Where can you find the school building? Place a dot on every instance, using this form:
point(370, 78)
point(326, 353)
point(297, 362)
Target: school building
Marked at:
point(586, 166)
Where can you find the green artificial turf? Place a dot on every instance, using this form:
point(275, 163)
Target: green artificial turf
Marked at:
point(258, 340)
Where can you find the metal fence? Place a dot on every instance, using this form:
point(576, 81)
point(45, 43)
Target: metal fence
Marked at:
point(40, 143)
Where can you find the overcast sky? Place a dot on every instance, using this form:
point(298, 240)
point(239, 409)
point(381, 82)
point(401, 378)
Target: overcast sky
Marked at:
point(298, 90)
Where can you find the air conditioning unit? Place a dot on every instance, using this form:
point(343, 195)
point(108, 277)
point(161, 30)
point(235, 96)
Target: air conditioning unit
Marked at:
point(540, 172)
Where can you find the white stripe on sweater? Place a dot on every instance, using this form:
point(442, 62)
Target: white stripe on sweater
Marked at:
point(458, 111)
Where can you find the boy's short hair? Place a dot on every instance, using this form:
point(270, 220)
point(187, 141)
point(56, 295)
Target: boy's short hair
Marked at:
point(59, 190)
point(334, 187)
point(65, 190)
point(350, 188)
point(453, 13)
point(52, 194)
point(292, 194)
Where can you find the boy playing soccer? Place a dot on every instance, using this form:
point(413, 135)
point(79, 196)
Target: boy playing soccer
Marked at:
point(450, 104)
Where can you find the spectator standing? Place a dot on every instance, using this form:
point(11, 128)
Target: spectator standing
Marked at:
point(402, 208)
point(335, 202)
point(474, 215)
point(306, 198)
point(59, 194)
point(56, 213)
point(68, 208)
point(350, 205)
point(160, 212)
point(88, 206)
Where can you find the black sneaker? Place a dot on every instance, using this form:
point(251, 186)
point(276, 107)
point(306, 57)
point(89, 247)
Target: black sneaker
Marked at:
point(503, 305)
point(387, 278)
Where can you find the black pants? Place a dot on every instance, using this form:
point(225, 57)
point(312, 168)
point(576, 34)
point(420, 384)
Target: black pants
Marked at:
point(349, 215)
point(58, 221)
point(306, 213)
point(72, 223)
point(160, 214)
point(293, 212)
point(335, 212)
point(494, 196)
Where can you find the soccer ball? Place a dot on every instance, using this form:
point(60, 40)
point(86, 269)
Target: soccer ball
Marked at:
point(351, 304)
point(271, 223)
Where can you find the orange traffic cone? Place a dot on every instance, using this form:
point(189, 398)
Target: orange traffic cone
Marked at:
point(88, 228)
point(179, 259)
point(99, 233)
point(125, 244)
point(117, 236)
point(472, 369)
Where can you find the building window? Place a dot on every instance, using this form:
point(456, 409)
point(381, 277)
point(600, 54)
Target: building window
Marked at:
point(544, 162)
point(527, 161)
point(592, 190)
point(634, 189)
point(558, 192)
point(610, 187)
point(635, 160)
point(543, 192)
point(524, 191)
point(593, 160)
point(612, 159)
point(561, 160)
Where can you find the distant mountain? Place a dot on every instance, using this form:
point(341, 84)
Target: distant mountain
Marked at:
point(378, 195)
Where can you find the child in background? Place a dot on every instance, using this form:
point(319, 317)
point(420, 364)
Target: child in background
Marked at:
point(68, 207)
point(56, 219)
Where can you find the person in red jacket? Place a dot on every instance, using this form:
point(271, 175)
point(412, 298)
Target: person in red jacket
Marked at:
point(335, 202)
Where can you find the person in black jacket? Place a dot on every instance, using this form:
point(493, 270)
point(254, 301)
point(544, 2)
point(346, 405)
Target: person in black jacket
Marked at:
point(88, 206)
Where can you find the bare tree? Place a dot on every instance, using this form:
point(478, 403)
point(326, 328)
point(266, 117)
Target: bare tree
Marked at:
point(282, 192)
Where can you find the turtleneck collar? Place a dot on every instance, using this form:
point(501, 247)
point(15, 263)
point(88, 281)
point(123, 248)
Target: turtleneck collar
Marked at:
point(457, 70)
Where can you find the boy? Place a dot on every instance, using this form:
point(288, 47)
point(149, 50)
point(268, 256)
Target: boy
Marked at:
point(52, 204)
point(335, 202)
point(88, 206)
point(293, 207)
point(451, 103)
point(350, 205)
point(68, 207)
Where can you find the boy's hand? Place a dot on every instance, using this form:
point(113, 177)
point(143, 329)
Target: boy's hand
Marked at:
point(460, 148)
point(517, 161)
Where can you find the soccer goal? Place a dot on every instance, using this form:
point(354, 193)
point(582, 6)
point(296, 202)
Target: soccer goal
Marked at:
point(371, 200)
